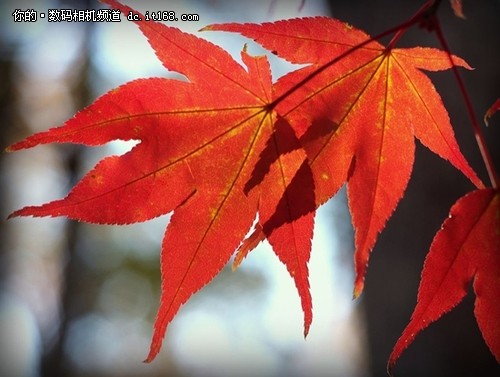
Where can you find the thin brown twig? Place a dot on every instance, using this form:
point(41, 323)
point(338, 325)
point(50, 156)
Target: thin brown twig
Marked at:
point(478, 132)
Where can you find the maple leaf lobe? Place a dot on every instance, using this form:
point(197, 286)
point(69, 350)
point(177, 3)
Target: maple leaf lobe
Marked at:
point(464, 250)
point(378, 100)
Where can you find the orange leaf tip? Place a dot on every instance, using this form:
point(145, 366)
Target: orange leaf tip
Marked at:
point(358, 288)
point(492, 110)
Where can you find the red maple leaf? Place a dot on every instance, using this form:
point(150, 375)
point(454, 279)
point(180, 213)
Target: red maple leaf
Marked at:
point(212, 150)
point(467, 248)
point(227, 146)
point(357, 109)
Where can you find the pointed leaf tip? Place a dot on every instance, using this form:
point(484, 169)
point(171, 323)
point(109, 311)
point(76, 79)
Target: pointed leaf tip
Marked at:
point(306, 330)
point(492, 110)
point(358, 288)
point(248, 245)
point(389, 369)
point(456, 5)
point(153, 352)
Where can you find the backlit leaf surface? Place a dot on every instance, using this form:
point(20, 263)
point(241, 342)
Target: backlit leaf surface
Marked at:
point(357, 111)
point(200, 142)
point(465, 250)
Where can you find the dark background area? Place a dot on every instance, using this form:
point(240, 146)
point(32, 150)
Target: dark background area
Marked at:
point(452, 346)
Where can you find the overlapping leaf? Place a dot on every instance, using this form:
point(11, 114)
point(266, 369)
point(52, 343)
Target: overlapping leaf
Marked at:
point(357, 109)
point(200, 142)
point(465, 249)
point(227, 146)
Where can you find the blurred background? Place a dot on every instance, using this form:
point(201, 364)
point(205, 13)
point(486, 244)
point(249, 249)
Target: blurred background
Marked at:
point(79, 300)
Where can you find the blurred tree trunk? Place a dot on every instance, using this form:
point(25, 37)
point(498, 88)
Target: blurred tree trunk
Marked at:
point(54, 361)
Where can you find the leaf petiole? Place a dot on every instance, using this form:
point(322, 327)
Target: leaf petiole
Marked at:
point(478, 133)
